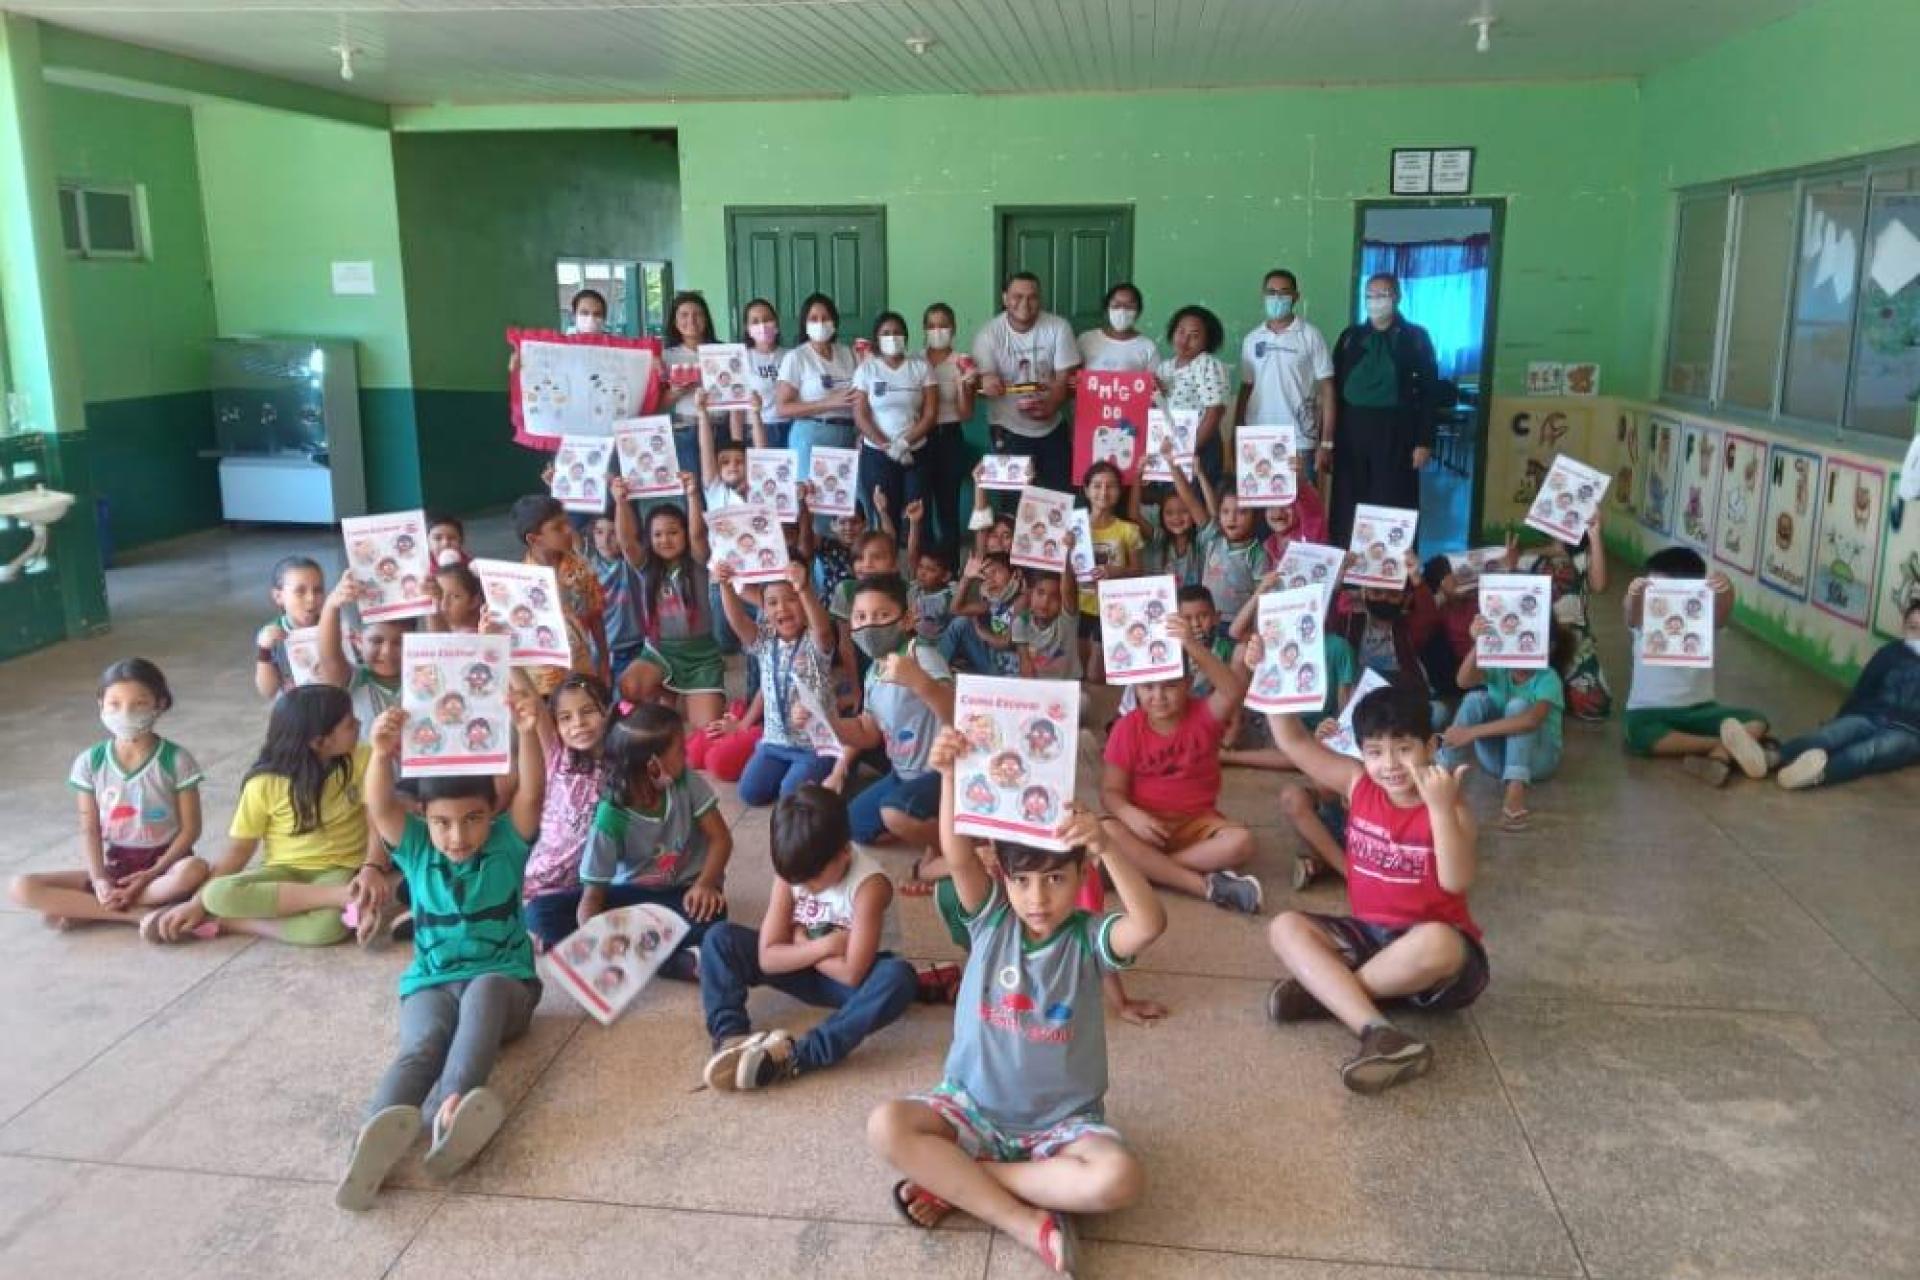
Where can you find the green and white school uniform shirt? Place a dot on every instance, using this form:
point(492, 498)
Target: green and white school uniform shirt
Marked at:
point(1053, 646)
point(140, 807)
point(662, 848)
point(466, 915)
point(371, 695)
point(1230, 571)
point(1029, 1028)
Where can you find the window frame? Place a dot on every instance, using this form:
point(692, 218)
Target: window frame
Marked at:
point(136, 195)
point(1734, 192)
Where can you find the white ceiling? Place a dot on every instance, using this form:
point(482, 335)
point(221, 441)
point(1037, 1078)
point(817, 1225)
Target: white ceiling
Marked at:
point(430, 51)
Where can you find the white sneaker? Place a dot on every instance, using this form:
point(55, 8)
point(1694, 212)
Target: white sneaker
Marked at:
point(1744, 748)
point(1806, 770)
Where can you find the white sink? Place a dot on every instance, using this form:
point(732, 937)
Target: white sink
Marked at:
point(38, 505)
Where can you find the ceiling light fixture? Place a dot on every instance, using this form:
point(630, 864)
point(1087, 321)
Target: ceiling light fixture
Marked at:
point(1482, 23)
point(919, 45)
point(346, 52)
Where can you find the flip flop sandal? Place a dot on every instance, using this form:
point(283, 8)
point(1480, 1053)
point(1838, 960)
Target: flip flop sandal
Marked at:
point(940, 984)
point(382, 1142)
point(475, 1121)
point(1059, 1245)
point(1305, 871)
point(906, 1194)
point(1514, 819)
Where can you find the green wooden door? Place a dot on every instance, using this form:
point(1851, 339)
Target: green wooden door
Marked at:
point(785, 254)
point(1078, 253)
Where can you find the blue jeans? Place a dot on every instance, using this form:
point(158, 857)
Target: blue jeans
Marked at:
point(1517, 757)
point(551, 917)
point(961, 641)
point(774, 771)
point(730, 967)
point(919, 798)
point(776, 433)
point(1856, 746)
point(901, 484)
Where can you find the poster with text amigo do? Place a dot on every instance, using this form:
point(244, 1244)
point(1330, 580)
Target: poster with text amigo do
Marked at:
point(1110, 421)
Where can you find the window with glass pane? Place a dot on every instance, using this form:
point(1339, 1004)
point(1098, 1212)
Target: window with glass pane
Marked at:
point(1696, 295)
point(112, 223)
point(70, 236)
point(1826, 275)
point(1762, 254)
point(1886, 371)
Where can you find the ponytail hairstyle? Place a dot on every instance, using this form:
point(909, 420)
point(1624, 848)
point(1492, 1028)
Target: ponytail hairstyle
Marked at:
point(141, 672)
point(635, 743)
point(300, 716)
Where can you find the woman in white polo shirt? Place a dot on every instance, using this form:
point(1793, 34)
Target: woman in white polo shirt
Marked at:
point(894, 400)
point(761, 325)
point(692, 326)
point(814, 391)
point(1116, 346)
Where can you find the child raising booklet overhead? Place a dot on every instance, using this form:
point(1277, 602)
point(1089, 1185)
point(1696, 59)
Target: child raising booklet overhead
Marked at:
point(1016, 1132)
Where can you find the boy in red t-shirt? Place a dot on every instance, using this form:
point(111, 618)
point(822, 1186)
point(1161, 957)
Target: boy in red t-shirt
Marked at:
point(1161, 784)
point(1410, 855)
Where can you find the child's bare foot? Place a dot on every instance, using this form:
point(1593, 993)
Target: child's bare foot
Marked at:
point(176, 923)
point(1141, 1013)
point(918, 1205)
point(59, 924)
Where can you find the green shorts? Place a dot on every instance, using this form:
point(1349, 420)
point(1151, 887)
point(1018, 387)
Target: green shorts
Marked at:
point(693, 665)
point(1648, 725)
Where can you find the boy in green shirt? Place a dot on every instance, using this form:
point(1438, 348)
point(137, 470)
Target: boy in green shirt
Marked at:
point(471, 987)
point(1513, 720)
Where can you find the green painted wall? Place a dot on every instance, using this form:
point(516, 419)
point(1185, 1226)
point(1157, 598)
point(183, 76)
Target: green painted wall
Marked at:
point(287, 196)
point(1224, 185)
point(1833, 81)
point(482, 218)
point(147, 324)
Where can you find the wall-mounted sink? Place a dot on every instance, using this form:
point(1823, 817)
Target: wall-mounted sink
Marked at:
point(38, 507)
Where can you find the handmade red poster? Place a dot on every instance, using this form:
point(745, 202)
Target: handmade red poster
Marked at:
point(1110, 422)
point(578, 384)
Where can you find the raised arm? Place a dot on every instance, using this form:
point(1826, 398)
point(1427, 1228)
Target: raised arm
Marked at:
point(1596, 554)
point(530, 789)
point(1635, 602)
point(1184, 488)
point(333, 667)
point(1455, 838)
point(1143, 918)
point(744, 627)
point(1229, 681)
point(971, 883)
point(709, 453)
point(1243, 622)
point(385, 814)
point(696, 518)
point(916, 522)
point(1722, 598)
point(626, 527)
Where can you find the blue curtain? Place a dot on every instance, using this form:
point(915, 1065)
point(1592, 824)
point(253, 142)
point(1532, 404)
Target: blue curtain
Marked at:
point(1443, 288)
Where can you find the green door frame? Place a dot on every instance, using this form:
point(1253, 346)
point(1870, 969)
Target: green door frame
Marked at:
point(1496, 252)
point(1002, 212)
point(731, 213)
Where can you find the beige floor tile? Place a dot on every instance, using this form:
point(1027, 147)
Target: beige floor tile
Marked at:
point(263, 1070)
point(1111, 1261)
point(67, 996)
point(1867, 895)
point(473, 1238)
point(91, 1222)
point(1682, 1143)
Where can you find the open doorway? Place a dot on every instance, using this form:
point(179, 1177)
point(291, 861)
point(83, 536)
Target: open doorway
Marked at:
point(1447, 256)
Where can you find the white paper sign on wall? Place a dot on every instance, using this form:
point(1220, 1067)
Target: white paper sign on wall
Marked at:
point(354, 278)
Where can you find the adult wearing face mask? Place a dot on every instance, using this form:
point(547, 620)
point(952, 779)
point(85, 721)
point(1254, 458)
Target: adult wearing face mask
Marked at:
point(1388, 380)
point(761, 323)
point(943, 461)
point(1025, 355)
point(1286, 372)
point(589, 311)
point(893, 406)
point(814, 391)
point(1116, 346)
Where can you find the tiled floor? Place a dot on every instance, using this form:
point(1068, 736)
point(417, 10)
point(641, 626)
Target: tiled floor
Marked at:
point(1696, 1057)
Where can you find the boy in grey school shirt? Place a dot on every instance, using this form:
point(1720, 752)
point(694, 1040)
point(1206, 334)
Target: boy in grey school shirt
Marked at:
point(1026, 1077)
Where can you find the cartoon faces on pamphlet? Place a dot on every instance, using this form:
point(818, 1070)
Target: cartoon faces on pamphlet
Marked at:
point(479, 734)
point(978, 795)
point(425, 737)
point(1007, 770)
point(1039, 806)
point(1042, 739)
point(426, 681)
point(980, 731)
point(451, 709)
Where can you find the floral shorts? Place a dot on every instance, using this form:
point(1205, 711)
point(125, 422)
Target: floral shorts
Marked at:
point(983, 1139)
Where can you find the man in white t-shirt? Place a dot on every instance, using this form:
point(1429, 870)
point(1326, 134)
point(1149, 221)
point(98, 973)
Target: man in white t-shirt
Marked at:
point(1025, 355)
point(1286, 371)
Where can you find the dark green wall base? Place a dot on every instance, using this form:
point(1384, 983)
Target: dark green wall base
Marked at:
point(468, 460)
point(390, 447)
point(147, 463)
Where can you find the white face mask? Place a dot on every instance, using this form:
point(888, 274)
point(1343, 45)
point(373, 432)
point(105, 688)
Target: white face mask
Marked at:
point(892, 344)
point(819, 331)
point(1379, 308)
point(588, 322)
point(128, 725)
point(1121, 318)
point(1914, 645)
point(763, 332)
point(939, 339)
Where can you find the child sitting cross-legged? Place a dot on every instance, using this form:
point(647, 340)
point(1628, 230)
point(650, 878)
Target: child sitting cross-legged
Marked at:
point(658, 836)
point(1513, 721)
point(471, 987)
point(1671, 711)
point(1161, 784)
point(826, 941)
point(1409, 859)
point(1016, 1132)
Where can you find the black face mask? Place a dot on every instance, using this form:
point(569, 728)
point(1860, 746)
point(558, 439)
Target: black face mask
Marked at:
point(1384, 610)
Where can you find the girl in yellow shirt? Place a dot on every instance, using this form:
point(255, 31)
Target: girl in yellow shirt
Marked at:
point(1116, 554)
